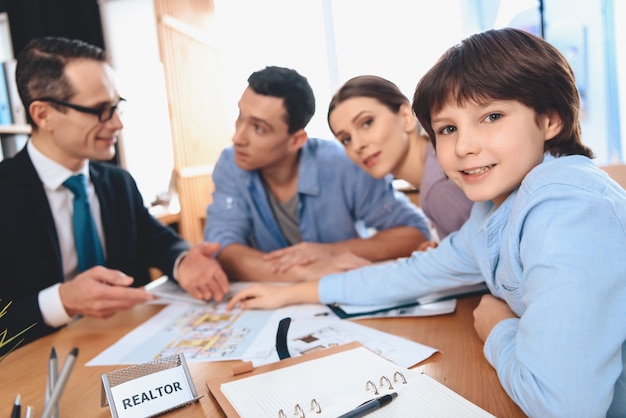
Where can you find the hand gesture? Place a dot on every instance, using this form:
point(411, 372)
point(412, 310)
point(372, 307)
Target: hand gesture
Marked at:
point(298, 255)
point(100, 292)
point(335, 264)
point(267, 296)
point(201, 275)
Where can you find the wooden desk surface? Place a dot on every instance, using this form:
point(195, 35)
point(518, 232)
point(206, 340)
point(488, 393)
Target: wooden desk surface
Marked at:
point(460, 365)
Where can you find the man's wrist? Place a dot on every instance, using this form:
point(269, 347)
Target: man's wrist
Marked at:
point(177, 262)
point(51, 307)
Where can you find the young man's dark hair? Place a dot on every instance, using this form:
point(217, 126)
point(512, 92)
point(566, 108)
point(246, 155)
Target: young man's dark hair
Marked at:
point(292, 87)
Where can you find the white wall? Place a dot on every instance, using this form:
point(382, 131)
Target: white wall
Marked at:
point(620, 46)
point(132, 46)
point(399, 41)
point(396, 39)
point(255, 34)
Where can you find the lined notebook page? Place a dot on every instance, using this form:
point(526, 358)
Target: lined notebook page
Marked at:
point(338, 383)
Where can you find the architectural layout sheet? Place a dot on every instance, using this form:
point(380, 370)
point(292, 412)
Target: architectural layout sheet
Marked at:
point(202, 332)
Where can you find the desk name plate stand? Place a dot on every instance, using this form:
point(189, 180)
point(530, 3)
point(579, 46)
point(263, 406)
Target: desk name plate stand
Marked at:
point(149, 389)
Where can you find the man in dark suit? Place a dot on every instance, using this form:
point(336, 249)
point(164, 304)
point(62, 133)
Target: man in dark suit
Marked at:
point(73, 107)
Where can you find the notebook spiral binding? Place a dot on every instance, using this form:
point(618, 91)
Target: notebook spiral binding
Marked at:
point(384, 383)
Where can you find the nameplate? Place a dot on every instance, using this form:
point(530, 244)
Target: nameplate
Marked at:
point(149, 389)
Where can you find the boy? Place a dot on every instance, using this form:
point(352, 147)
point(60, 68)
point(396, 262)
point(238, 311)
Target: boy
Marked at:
point(547, 231)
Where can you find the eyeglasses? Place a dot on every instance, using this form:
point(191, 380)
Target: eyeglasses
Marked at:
point(104, 113)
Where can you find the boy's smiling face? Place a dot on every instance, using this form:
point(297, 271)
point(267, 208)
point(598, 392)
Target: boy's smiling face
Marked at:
point(488, 148)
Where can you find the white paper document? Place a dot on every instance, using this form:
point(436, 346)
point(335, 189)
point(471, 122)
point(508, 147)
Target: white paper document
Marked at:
point(167, 291)
point(208, 332)
point(309, 333)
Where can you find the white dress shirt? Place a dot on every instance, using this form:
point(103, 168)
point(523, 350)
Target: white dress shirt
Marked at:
point(61, 201)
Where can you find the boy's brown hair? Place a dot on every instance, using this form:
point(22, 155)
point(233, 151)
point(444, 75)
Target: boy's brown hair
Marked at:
point(506, 64)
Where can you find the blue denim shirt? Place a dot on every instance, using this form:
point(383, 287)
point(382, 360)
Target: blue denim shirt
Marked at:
point(554, 251)
point(334, 194)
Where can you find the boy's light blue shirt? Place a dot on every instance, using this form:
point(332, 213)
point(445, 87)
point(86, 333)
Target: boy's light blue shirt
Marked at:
point(555, 252)
point(334, 193)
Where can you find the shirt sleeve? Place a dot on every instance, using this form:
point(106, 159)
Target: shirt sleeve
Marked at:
point(450, 265)
point(382, 207)
point(564, 354)
point(228, 220)
point(52, 309)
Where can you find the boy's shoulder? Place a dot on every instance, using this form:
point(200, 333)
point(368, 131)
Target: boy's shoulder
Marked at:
point(571, 170)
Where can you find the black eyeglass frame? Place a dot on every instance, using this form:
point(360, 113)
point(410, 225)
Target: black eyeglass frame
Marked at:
point(97, 111)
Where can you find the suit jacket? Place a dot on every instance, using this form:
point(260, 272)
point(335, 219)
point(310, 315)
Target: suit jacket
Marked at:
point(30, 257)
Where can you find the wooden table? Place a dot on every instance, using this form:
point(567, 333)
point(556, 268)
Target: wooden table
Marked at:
point(460, 364)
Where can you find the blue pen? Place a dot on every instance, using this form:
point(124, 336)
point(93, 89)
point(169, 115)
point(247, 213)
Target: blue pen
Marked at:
point(370, 406)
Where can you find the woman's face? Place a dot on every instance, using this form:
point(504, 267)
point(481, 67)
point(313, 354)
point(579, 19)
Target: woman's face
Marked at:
point(374, 137)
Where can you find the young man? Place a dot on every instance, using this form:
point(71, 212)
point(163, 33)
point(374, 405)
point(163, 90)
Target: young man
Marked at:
point(547, 232)
point(73, 107)
point(298, 198)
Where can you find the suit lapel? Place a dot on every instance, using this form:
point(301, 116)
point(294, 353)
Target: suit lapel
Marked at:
point(104, 190)
point(36, 195)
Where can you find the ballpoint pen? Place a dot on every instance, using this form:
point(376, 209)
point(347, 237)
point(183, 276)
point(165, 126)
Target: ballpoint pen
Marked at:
point(17, 407)
point(370, 406)
point(53, 401)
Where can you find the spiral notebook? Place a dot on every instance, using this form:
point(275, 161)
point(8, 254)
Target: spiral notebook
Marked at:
point(334, 381)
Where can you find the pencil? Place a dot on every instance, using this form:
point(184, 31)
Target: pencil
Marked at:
point(60, 384)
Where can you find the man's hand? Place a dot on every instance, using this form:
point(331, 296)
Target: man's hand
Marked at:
point(335, 264)
point(489, 312)
point(100, 292)
point(298, 255)
point(201, 275)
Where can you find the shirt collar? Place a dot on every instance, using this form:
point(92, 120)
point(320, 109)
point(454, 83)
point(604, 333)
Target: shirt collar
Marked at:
point(51, 173)
point(308, 176)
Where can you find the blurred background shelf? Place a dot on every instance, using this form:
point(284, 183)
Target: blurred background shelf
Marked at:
point(14, 129)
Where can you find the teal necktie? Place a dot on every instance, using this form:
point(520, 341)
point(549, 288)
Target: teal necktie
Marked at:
point(86, 239)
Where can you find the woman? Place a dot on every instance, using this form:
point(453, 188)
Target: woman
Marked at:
point(371, 117)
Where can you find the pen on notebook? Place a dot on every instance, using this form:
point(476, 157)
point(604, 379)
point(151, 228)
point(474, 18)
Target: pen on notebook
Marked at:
point(17, 407)
point(53, 375)
point(64, 375)
point(370, 406)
